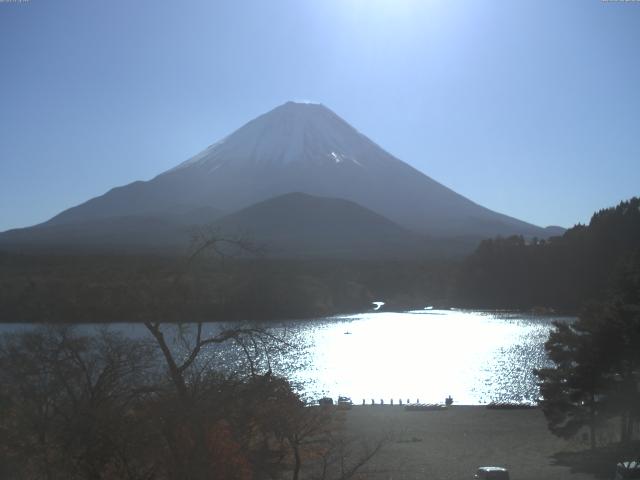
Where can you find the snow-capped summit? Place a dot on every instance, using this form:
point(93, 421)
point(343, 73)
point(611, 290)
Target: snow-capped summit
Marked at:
point(302, 147)
point(292, 132)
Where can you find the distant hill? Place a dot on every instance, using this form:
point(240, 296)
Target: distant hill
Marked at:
point(564, 272)
point(301, 225)
point(554, 231)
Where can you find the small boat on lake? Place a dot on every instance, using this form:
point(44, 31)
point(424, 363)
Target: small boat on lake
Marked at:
point(377, 306)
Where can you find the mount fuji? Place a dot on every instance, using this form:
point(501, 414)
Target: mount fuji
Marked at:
point(296, 147)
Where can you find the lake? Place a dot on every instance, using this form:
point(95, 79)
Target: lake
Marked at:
point(476, 357)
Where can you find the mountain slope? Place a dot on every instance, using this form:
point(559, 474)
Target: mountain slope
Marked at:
point(303, 148)
point(167, 232)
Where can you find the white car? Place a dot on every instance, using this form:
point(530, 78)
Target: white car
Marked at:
point(492, 473)
point(344, 402)
point(628, 469)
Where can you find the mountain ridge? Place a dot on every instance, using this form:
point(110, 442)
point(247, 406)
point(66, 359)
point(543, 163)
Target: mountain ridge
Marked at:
point(304, 148)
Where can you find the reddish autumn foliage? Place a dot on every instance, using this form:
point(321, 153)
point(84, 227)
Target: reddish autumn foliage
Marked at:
point(226, 457)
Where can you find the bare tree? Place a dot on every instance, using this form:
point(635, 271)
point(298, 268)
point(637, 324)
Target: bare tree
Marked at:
point(253, 341)
point(208, 240)
point(343, 456)
point(100, 406)
point(70, 404)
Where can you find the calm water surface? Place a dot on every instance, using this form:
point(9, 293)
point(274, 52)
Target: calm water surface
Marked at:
point(476, 357)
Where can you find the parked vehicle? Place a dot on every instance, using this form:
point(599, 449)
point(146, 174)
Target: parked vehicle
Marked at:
point(628, 469)
point(492, 473)
point(344, 402)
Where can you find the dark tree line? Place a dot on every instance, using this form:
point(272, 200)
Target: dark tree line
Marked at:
point(563, 272)
point(596, 375)
point(109, 288)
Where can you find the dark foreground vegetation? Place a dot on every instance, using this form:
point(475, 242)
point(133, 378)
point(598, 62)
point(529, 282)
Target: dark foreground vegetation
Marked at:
point(593, 388)
point(107, 407)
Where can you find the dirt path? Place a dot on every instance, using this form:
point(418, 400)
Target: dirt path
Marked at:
point(451, 444)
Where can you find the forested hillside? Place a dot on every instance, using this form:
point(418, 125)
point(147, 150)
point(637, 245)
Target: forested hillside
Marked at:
point(562, 272)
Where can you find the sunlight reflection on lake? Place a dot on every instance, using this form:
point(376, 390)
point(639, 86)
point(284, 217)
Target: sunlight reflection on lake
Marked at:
point(476, 357)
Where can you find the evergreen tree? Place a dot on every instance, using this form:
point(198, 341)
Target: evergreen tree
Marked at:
point(573, 391)
point(597, 364)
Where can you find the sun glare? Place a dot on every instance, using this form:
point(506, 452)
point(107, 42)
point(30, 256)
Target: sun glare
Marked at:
point(391, 7)
point(390, 20)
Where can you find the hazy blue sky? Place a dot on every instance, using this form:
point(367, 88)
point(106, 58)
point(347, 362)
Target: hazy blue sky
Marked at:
point(531, 108)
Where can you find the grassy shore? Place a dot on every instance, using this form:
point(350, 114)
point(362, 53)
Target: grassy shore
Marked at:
point(451, 444)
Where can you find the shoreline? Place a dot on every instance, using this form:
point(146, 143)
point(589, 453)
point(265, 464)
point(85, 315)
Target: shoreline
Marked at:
point(283, 319)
